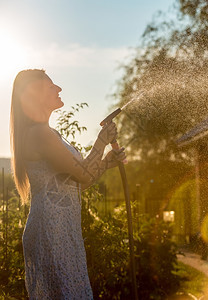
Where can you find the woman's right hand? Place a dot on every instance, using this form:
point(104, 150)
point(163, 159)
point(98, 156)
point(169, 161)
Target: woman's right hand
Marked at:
point(108, 133)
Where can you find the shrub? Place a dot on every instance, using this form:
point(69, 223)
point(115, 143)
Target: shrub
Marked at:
point(107, 248)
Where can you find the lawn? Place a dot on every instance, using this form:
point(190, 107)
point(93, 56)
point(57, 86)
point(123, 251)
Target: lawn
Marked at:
point(195, 282)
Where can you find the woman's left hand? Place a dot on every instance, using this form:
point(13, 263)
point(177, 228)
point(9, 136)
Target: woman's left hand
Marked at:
point(113, 157)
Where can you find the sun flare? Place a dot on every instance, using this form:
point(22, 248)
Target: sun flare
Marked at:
point(12, 55)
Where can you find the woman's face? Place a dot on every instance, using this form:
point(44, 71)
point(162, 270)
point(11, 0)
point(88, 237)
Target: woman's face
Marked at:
point(41, 97)
point(49, 95)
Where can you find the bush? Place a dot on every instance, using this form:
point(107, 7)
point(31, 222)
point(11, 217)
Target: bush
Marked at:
point(12, 222)
point(156, 260)
point(107, 248)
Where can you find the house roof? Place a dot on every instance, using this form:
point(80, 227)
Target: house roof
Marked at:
point(196, 133)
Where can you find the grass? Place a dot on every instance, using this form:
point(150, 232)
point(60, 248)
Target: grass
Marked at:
point(195, 282)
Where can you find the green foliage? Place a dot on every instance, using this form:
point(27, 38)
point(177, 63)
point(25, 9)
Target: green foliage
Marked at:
point(13, 218)
point(68, 127)
point(157, 259)
point(107, 248)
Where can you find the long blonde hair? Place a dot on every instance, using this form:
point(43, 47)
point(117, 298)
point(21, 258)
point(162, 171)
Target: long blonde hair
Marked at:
point(19, 123)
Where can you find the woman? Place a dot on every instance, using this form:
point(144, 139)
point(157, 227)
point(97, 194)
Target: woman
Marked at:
point(54, 173)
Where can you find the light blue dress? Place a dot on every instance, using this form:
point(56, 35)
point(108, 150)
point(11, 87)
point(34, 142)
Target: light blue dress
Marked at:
point(53, 246)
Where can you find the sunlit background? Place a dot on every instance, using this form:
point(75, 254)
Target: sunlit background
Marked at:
point(79, 43)
point(84, 45)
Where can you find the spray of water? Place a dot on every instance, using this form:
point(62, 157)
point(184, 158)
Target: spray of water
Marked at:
point(175, 97)
point(135, 98)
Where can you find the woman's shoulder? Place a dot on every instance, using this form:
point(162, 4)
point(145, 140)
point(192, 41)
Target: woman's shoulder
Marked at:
point(41, 132)
point(36, 136)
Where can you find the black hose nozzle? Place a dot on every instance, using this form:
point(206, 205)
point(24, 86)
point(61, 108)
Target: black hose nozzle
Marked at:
point(110, 117)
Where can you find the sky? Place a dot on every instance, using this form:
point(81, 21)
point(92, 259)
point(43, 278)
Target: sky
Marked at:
point(80, 44)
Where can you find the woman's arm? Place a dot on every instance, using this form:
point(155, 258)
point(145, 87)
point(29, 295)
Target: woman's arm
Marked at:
point(110, 161)
point(48, 145)
point(101, 168)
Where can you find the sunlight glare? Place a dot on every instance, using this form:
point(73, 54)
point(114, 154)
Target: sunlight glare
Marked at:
point(12, 55)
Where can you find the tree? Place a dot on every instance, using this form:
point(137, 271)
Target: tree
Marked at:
point(171, 69)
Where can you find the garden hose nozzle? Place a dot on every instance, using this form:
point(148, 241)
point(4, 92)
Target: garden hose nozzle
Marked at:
point(110, 117)
point(107, 120)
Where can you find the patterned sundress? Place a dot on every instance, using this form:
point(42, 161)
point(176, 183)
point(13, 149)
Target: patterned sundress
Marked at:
point(53, 246)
